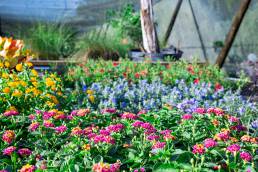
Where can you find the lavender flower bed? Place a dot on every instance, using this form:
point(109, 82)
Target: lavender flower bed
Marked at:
point(132, 97)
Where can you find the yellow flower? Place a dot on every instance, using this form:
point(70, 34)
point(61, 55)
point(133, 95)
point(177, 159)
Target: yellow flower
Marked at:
point(86, 147)
point(6, 90)
point(34, 72)
point(12, 84)
point(4, 75)
point(17, 93)
point(49, 82)
point(23, 83)
point(92, 98)
point(29, 64)
point(90, 92)
point(35, 84)
point(1, 65)
point(7, 64)
point(19, 67)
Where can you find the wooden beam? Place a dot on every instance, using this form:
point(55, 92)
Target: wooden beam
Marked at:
point(172, 22)
point(150, 40)
point(237, 20)
point(198, 32)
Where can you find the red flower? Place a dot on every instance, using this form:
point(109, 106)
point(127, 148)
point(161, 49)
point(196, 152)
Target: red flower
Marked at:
point(218, 87)
point(190, 69)
point(125, 75)
point(196, 81)
point(137, 75)
point(115, 64)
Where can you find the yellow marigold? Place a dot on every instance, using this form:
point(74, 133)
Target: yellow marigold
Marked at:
point(50, 104)
point(23, 83)
point(6, 90)
point(91, 98)
point(90, 92)
point(7, 64)
point(49, 82)
point(13, 108)
point(19, 67)
point(37, 92)
point(59, 93)
point(86, 147)
point(17, 93)
point(33, 79)
point(4, 75)
point(29, 64)
point(34, 72)
point(1, 65)
point(12, 84)
point(35, 84)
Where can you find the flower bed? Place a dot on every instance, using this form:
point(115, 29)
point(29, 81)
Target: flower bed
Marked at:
point(159, 119)
point(166, 140)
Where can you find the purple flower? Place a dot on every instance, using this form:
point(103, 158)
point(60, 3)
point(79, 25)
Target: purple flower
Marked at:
point(233, 148)
point(246, 156)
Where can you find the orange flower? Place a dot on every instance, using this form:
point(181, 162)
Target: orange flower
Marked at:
point(86, 147)
point(19, 67)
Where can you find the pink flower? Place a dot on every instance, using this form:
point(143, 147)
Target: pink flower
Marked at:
point(82, 112)
point(60, 129)
point(246, 156)
point(32, 117)
point(200, 110)
point(3, 171)
point(69, 117)
point(104, 167)
point(234, 119)
point(48, 115)
point(9, 150)
point(209, 143)
point(109, 110)
point(8, 136)
point(129, 116)
point(233, 148)
point(104, 132)
point(11, 113)
point(166, 132)
point(48, 124)
point(137, 124)
point(153, 137)
point(24, 152)
point(142, 112)
point(77, 131)
point(28, 168)
point(187, 117)
point(115, 128)
point(218, 111)
point(34, 126)
point(103, 139)
point(198, 149)
point(159, 145)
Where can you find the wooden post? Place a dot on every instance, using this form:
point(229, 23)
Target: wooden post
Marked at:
point(150, 40)
point(198, 32)
point(237, 20)
point(172, 22)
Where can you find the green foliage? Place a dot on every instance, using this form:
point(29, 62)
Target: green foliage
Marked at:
point(128, 23)
point(51, 41)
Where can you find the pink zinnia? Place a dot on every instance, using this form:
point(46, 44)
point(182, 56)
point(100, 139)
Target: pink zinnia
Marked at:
point(104, 132)
point(9, 150)
point(60, 129)
point(11, 113)
point(32, 117)
point(234, 119)
point(200, 110)
point(34, 126)
point(166, 132)
point(48, 124)
point(218, 111)
point(48, 115)
point(233, 148)
point(142, 112)
point(198, 149)
point(24, 152)
point(8, 136)
point(137, 124)
point(209, 143)
point(159, 145)
point(28, 168)
point(129, 116)
point(246, 156)
point(108, 110)
point(115, 128)
point(187, 117)
point(153, 137)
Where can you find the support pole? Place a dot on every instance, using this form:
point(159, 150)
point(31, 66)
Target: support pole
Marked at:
point(199, 32)
point(237, 20)
point(150, 40)
point(172, 22)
